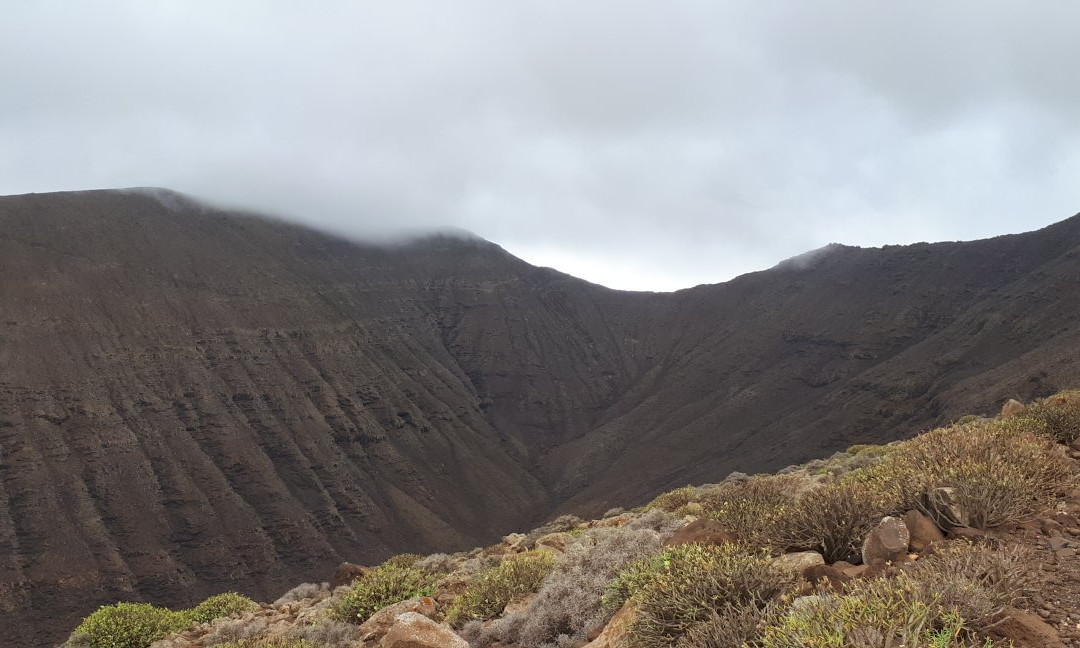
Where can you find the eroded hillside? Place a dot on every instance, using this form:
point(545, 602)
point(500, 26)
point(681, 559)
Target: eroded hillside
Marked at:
point(194, 400)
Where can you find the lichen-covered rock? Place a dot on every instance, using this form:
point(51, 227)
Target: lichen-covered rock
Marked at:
point(799, 562)
point(887, 542)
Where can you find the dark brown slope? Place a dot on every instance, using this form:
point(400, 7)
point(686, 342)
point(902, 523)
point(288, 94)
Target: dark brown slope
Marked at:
point(192, 400)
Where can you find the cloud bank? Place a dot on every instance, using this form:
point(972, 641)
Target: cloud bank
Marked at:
point(638, 144)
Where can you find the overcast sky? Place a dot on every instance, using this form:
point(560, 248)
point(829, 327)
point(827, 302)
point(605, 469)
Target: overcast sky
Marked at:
point(645, 145)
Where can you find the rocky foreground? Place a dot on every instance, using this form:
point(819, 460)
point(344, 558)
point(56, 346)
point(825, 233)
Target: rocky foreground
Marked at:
point(964, 536)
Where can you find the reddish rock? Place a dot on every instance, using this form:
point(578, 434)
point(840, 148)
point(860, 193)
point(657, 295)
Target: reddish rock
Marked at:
point(701, 531)
point(412, 630)
point(887, 542)
point(346, 573)
point(1027, 630)
point(829, 575)
point(379, 624)
point(614, 633)
point(922, 530)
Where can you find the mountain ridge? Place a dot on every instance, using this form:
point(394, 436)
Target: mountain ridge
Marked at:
point(217, 401)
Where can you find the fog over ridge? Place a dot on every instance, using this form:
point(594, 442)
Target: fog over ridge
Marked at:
point(635, 144)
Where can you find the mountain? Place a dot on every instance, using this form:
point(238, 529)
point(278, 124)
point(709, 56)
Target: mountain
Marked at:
point(194, 400)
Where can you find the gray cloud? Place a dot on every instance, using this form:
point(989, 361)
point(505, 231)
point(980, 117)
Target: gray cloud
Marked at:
point(638, 144)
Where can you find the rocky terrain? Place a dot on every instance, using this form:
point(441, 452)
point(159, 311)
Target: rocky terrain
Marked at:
point(195, 400)
point(985, 555)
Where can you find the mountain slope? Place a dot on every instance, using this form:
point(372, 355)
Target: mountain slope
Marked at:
point(194, 400)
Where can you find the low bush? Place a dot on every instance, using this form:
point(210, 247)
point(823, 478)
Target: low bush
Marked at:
point(976, 582)
point(386, 585)
point(128, 625)
point(998, 474)
point(1057, 417)
point(752, 509)
point(325, 633)
point(303, 591)
point(730, 627)
point(835, 518)
point(404, 560)
point(683, 586)
point(221, 605)
point(568, 606)
point(874, 612)
point(674, 500)
point(488, 593)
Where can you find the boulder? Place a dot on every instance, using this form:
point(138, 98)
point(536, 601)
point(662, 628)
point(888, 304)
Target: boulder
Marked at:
point(887, 542)
point(1011, 408)
point(1027, 630)
point(924, 532)
point(346, 573)
point(614, 633)
point(799, 562)
point(378, 624)
point(412, 630)
point(827, 575)
point(701, 531)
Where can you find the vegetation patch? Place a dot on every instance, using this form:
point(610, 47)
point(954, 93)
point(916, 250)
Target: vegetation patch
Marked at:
point(487, 595)
point(684, 586)
point(1057, 417)
point(128, 625)
point(386, 585)
point(752, 509)
point(221, 605)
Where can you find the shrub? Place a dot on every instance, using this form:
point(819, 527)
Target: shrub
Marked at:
point(672, 501)
point(403, 560)
point(1057, 417)
point(685, 585)
point(976, 582)
point(874, 612)
point(325, 633)
point(730, 627)
point(997, 474)
point(487, 595)
point(835, 518)
point(303, 591)
point(221, 605)
point(568, 605)
point(751, 509)
point(129, 625)
point(386, 585)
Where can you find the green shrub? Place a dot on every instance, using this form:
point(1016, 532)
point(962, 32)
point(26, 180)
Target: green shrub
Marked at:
point(488, 593)
point(998, 473)
point(730, 627)
point(835, 518)
point(978, 583)
point(386, 585)
point(672, 501)
point(404, 560)
point(874, 612)
point(752, 508)
point(870, 449)
point(221, 605)
point(684, 586)
point(1057, 417)
point(129, 625)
